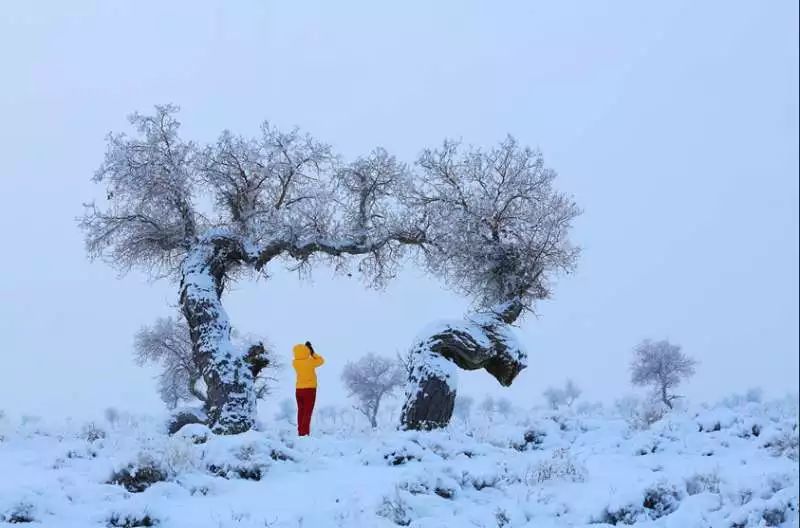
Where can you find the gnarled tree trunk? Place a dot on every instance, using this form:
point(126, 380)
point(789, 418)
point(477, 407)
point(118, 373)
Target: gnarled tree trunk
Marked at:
point(485, 341)
point(230, 395)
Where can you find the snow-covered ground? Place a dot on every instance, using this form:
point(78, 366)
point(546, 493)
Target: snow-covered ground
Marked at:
point(730, 465)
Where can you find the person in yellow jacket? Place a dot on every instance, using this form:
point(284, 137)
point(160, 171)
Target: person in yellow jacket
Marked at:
point(305, 364)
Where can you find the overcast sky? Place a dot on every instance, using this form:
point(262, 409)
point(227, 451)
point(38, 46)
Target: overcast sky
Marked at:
point(674, 125)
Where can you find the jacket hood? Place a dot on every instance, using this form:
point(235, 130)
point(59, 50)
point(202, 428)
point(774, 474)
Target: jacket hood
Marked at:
point(301, 352)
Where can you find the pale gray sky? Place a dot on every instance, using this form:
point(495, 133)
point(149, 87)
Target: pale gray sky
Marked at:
point(674, 125)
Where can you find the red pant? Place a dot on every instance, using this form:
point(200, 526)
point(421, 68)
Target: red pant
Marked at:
point(305, 406)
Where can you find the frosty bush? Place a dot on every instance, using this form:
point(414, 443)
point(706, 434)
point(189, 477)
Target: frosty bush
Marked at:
point(785, 444)
point(661, 499)
point(396, 508)
point(91, 433)
point(21, 512)
point(560, 466)
point(703, 482)
point(138, 477)
point(130, 520)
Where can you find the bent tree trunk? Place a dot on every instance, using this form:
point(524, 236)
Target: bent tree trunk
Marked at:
point(484, 342)
point(230, 396)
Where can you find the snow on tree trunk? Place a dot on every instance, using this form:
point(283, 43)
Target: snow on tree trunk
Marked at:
point(230, 396)
point(484, 341)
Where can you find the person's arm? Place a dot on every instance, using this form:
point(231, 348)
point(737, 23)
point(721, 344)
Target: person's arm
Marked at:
point(316, 359)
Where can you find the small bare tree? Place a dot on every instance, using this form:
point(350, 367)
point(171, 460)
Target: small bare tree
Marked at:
point(504, 407)
point(168, 343)
point(556, 397)
point(661, 365)
point(571, 392)
point(462, 408)
point(487, 407)
point(287, 411)
point(369, 380)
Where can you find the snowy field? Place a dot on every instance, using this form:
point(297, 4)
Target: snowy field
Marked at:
point(730, 465)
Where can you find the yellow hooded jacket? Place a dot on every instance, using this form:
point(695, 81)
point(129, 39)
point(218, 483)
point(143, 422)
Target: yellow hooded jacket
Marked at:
point(304, 365)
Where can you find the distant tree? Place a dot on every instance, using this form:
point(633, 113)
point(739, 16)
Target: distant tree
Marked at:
point(463, 407)
point(287, 411)
point(111, 415)
point(487, 406)
point(504, 407)
point(369, 380)
point(661, 365)
point(167, 342)
point(571, 392)
point(329, 413)
point(554, 397)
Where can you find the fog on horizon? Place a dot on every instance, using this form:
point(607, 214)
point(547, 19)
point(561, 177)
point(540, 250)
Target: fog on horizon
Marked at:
point(674, 126)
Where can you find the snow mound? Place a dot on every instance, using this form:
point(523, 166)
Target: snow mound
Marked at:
point(733, 466)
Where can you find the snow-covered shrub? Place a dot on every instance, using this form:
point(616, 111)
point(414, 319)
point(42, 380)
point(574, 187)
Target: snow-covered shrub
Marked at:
point(179, 455)
point(138, 477)
point(444, 486)
point(396, 509)
point(531, 439)
point(247, 456)
point(128, 520)
point(703, 482)
point(657, 501)
point(185, 416)
point(562, 465)
point(777, 510)
point(784, 444)
point(92, 433)
point(19, 512)
point(196, 433)
point(640, 414)
point(661, 499)
point(403, 454)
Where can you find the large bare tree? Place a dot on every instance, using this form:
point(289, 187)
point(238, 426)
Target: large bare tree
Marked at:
point(168, 343)
point(500, 233)
point(281, 194)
